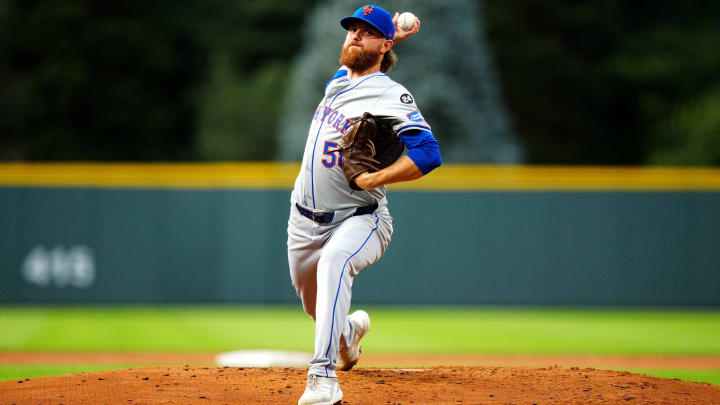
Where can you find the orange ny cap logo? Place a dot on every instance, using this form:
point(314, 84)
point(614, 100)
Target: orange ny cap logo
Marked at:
point(367, 10)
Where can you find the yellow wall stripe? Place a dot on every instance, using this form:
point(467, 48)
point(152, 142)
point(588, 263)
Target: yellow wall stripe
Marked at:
point(282, 176)
point(151, 175)
point(485, 177)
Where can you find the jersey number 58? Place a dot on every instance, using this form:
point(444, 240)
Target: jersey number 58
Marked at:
point(333, 158)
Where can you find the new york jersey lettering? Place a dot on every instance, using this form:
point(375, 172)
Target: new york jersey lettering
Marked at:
point(332, 117)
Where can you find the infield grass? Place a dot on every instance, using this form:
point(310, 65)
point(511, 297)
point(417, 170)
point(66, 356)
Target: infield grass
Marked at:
point(452, 330)
point(395, 330)
point(695, 375)
point(21, 371)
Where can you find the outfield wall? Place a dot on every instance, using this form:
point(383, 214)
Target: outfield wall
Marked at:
point(464, 235)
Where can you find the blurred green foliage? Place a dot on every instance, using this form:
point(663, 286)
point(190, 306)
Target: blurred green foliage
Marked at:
point(611, 82)
point(232, 105)
point(137, 80)
point(585, 82)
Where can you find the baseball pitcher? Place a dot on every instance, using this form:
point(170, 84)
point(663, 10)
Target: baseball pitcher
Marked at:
point(339, 221)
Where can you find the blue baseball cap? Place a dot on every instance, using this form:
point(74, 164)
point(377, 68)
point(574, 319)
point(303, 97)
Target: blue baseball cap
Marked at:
point(376, 16)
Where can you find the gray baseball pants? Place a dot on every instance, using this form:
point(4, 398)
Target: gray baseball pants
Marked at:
point(323, 260)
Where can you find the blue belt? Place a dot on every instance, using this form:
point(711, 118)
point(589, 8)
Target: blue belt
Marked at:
point(327, 216)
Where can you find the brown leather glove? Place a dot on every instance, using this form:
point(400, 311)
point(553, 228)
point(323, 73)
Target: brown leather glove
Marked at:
point(368, 147)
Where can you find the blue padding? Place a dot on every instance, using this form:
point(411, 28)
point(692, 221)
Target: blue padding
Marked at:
point(424, 150)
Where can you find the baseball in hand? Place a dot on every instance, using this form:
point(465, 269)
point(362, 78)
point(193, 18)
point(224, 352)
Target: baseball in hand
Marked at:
point(406, 20)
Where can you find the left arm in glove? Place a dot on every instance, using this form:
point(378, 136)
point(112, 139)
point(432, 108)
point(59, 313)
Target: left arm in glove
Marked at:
point(369, 146)
point(423, 157)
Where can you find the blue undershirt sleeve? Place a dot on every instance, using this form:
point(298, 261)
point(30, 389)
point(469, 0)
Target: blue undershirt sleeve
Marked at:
point(340, 73)
point(423, 149)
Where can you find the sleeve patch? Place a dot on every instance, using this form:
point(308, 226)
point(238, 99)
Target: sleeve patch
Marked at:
point(415, 116)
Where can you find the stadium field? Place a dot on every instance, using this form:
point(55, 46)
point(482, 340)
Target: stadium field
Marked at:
point(667, 343)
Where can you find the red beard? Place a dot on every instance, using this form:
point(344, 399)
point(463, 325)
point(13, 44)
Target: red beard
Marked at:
point(358, 59)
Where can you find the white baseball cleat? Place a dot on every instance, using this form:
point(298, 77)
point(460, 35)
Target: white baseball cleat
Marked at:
point(321, 391)
point(348, 356)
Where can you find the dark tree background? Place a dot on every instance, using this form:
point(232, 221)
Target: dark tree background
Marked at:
point(585, 82)
point(611, 82)
point(89, 80)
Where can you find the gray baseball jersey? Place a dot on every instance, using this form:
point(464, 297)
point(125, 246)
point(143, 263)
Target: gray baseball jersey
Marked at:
point(325, 253)
point(321, 184)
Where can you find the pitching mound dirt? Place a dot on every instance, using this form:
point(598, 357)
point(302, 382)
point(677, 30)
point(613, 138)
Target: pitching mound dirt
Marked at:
point(437, 385)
